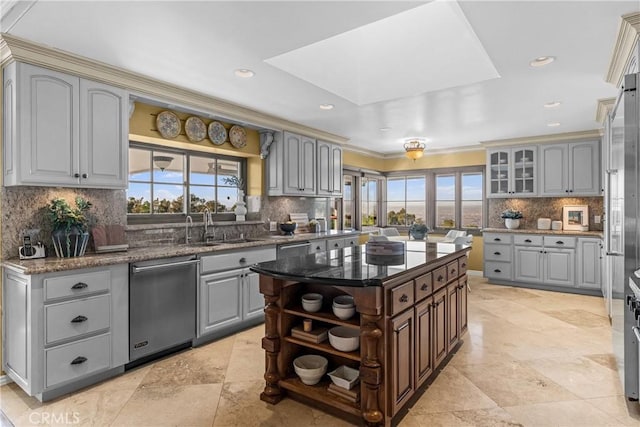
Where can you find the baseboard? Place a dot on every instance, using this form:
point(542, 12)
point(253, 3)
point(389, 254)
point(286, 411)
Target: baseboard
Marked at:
point(4, 380)
point(475, 273)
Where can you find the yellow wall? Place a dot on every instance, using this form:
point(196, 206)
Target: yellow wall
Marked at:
point(142, 128)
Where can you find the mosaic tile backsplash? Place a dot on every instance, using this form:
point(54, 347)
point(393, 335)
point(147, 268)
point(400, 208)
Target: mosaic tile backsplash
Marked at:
point(543, 207)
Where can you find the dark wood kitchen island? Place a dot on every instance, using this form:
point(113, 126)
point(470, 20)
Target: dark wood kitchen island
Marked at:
point(411, 312)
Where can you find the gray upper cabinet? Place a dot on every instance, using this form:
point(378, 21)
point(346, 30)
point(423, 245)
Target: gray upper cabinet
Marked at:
point(61, 130)
point(329, 169)
point(512, 171)
point(570, 169)
point(299, 164)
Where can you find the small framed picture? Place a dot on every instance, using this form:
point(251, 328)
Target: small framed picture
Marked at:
point(575, 218)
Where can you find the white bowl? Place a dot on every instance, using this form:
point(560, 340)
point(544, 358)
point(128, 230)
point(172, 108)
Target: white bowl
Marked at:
point(345, 377)
point(310, 368)
point(344, 313)
point(312, 302)
point(344, 339)
point(345, 301)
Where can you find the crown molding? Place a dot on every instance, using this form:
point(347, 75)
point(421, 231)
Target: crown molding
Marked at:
point(363, 151)
point(14, 48)
point(432, 151)
point(605, 105)
point(543, 139)
point(628, 35)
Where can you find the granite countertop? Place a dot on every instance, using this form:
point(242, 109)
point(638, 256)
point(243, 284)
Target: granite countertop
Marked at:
point(52, 264)
point(353, 267)
point(536, 231)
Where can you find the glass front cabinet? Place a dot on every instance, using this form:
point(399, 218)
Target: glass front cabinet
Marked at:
point(512, 171)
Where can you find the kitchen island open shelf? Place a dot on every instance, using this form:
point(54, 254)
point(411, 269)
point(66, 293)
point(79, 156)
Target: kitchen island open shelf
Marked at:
point(410, 317)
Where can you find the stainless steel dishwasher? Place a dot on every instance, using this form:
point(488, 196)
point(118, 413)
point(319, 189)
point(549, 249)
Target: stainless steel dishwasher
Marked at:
point(162, 306)
point(292, 249)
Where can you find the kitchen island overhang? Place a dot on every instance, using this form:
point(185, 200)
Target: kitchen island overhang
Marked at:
point(410, 316)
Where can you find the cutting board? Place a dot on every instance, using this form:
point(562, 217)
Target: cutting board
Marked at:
point(302, 219)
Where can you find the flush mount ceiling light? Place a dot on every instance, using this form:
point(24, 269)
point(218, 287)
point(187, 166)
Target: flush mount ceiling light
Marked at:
point(552, 104)
point(414, 149)
point(162, 162)
point(542, 61)
point(245, 73)
point(553, 124)
point(326, 106)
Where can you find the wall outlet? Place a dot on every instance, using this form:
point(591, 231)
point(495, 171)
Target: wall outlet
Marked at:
point(273, 226)
point(596, 219)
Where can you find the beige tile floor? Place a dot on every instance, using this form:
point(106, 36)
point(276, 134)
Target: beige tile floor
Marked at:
point(530, 358)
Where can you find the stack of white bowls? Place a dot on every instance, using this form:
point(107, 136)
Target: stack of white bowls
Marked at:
point(343, 307)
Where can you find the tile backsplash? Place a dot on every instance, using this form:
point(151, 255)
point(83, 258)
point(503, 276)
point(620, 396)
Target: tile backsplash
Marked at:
point(543, 207)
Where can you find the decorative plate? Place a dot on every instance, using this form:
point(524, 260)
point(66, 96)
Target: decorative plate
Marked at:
point(237, 136)
point(195, 129)
point(168, 124)
point(217, 133)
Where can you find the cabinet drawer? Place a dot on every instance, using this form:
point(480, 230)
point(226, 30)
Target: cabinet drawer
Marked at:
point(351, 241)
point(77, 284)
point(317, 246)
point(463, 265)
point(237, 259)
point(401, 297)
point(497, 238)
point(439, 276)
point(452, 270)
point(559, 242)
point(423, 287)
point(90, 356)
point(497, 270)
point(497, 252)
point(335, 244)
point(527, 240)
point(90, 315)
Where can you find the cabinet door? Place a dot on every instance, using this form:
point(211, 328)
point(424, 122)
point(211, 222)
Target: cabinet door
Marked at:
point(559, 267)
point(325, 176)
point(440, 327)
point(318, 246)
point(104, 133)
point(292, 155)
point(453, 326)
point(588, 263)
point(553, 170)
point(15, 317)
point(336, 170)
point(48, 109)
point(308, 164)
point(275, 166)
point(499, 173)
point(462, 307)
point(424, 340)
point(220, 302)
point(253, 300)
point(528, 264)
point(402, 362)
point(584, 168)
point(524, 173)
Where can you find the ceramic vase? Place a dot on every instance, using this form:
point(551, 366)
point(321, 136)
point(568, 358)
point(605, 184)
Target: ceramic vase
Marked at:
point(241, 209)
point(512, 223)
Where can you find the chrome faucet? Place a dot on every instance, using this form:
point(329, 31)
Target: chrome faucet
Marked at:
point(187, 230)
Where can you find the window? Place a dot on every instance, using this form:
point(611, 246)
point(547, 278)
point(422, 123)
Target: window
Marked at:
point(445, 205)
point(471, 203)
point(159, 180)
point(406, 200)
point(369, 202)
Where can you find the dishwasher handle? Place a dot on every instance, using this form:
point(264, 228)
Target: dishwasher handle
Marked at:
point(136, 269)
point(299, 245)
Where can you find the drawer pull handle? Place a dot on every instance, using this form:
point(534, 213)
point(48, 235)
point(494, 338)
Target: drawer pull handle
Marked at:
point(453, 271)
point(497, 239)
point(424, 287)
point(559, 242)
point(463, 265)
point(439, 279)
point(497, 253)
point(80, 285)
point(78, 360)
point(79, 319)
point(317, 248)
point(242, 260)
point(335, 245)
point(527, 240)
point(402, 327)
point(404, 298)
point(497, 270)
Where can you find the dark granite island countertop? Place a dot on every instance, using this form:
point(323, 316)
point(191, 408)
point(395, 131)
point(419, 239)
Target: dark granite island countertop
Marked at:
point(354, 267)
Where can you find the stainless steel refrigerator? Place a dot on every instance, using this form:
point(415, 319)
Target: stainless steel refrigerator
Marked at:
point(622, 231)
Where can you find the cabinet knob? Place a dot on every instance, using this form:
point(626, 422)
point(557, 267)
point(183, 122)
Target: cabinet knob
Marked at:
point(78, 360)
point(76, 175)
point(497, 253)
point(463, 265)
point(84, 175)
point(527, 240)
point(79, 319)
point(404, 298)
point(559, 242)
point(80, 285)
point(335, 245)
point(439, 279)
point(242, 260)
point(497, 239)
point(453, 271)
point(570, 191)
point(424, 287)
point(566, 191)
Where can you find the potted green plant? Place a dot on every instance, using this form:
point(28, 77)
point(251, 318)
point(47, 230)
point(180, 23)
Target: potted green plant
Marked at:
point(418, 230)
point(69, 226)
point(511, 218)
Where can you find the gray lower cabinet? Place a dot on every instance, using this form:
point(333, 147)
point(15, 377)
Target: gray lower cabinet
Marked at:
point(528, 264)
point(589, 259)
point(65, 330)
point(559, 267)
point(498, 256)
point(229, 293)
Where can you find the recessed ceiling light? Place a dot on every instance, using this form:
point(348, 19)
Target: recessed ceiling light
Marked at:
point(553, 124)
point(326, 106)
point(244, 73)
point(385, 129)
point(542, 60)
point(552, 104)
